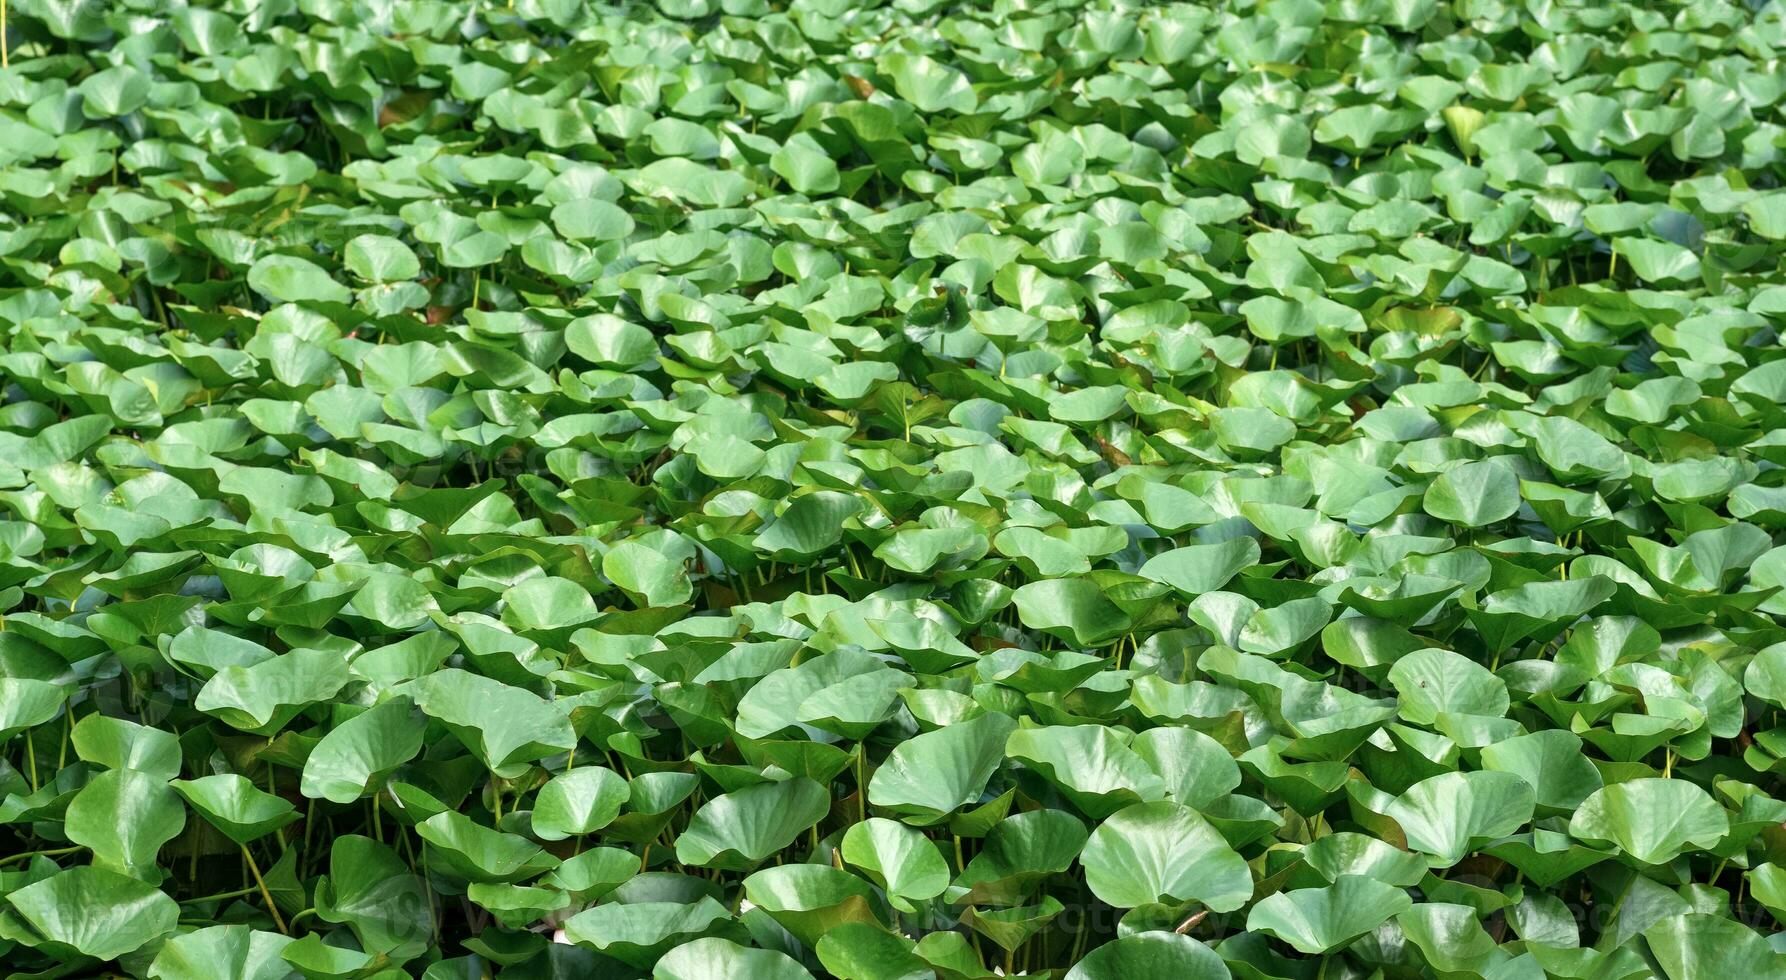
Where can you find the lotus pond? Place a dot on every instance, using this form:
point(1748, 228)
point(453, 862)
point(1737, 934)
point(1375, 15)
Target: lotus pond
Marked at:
point(793, 489)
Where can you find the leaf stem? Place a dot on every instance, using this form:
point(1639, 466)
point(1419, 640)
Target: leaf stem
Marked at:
point(862, 780)
point(1078, 938)
point(220, 896)
point(50, 852)
point(273, 908)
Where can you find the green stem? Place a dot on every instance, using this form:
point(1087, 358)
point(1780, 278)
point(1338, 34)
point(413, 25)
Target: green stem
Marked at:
point(309, 822)
point(272, 908)
point(862, 780)
point(273, 790)
point(51, 852)
point(1079, 938)
point(220, 896)
point(428, 887)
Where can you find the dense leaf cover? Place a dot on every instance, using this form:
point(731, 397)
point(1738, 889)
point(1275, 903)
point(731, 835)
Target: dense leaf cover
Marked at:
point(747, 490)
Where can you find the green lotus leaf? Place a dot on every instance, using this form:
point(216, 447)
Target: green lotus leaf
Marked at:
point(1356, 129)
point(930, 85)
point(859, 951)
point(116, 91)
point(1433, 682)
point(1697, 944)
point(806, 165)
point(1576, 453)
point(289, 279)
point(1705, 561)
point(1474, 494)
point(1538, 609)
point(1449, 815)
point(94, 912)
point(651, 804)
point(592, 873)
point(380, 258)
point(714, 958)
point(902, 861)
point(26, 703)
point(548, 606)
point(640, 933)
point(1451, 938)
point(1151, 956)
point(1316, 920)
point(1073, 609)
point(811, 524)
point(467, 849)
point(928, 777)
point(1338, 855)
point(506, 727)
point(264, 697)
point(1658, 262)
point(1164, 852)
point(1088, 764)
point(1010, 928)
point(657, 580)
point(739, 830)
point(235, 806)
point(1652, 820)
point(843, 693)
point(809, 900)
point(117, 743)
point(580, 801)
point(1552, 762)
point(125, 816)
point(1195, 768)
point(227, 952)
point(1202, 568)
point(360, 752)
point(515, 906)
point(1767, 882)
point(372, 891)
point(609, 341)
point(312, 957)
point(1020, 853)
